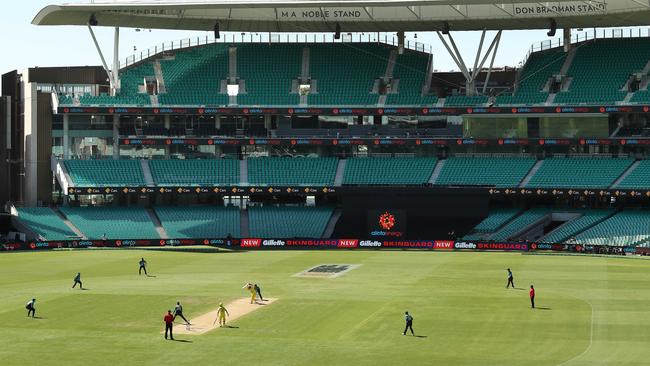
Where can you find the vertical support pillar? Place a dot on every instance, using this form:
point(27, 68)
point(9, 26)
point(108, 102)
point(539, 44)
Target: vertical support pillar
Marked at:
point(566, 34)
point(116, 62)
point(167, 126)
point(116, 136)
point(66, 136)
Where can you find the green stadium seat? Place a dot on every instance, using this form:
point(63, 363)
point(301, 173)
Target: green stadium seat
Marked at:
point(210, 222)
point(598, 80)
point(269, 78)
point(115, 222)
point(209, 172)
point(498, 172)
point(586, 219)
point(105, 173)
point(595, 173)
point(45, 222)
point(639, 178)
point(626, 228)
point(288, 221)
point(292, 171)
point(519, 223)
point(345, 74)
point(388, 171)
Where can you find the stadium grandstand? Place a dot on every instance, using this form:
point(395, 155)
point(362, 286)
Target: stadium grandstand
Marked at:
point(252, 131)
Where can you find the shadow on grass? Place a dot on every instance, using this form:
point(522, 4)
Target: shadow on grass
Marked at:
point(543, 308)
point(182, 340)
point(420, 336)
point(151, 275)
point(38, 317)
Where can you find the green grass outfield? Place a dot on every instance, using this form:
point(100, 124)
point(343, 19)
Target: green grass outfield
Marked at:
point(597, 309)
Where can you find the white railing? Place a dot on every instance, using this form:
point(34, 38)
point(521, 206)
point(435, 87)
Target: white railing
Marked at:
point(389, 39)
point(586, 36)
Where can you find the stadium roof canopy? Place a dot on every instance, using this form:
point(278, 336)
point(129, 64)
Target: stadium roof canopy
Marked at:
point(352, 15)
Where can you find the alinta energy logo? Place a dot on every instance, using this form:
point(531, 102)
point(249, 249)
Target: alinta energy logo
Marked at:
point(387, 221)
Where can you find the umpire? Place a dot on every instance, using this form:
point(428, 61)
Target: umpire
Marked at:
point(409, 323)
point(169, 324)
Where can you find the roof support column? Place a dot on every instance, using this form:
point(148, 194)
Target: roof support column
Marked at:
point(101, 55)
point(66, 136)
point(566, 34)
point(116, 61)
point(470, 78)
point(494, 55)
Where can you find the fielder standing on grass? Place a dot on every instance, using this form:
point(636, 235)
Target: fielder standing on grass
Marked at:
point(532, 297)
point(143, 267)
point(77, 280)
point(409, 323)
point(221, 316)
point(31, 309)
point(511, 280)
point(178, 311)
point(169, 324)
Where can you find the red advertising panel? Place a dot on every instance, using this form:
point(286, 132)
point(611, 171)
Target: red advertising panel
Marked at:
point(348, 243)
point(250, 243)
point(443, 244)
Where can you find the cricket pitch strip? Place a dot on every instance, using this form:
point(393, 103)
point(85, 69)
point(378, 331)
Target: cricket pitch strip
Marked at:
point(206, 322)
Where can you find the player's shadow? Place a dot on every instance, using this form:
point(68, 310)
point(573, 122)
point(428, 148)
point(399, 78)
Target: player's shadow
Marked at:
point(420, 336)
point(150, 275)
point(182, 340)
point(543, 308)
point(38, 317)
point(231, 327)
point(85, 289)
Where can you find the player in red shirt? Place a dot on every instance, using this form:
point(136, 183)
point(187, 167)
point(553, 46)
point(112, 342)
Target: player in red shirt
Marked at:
point(169, 324)
point(532, 296)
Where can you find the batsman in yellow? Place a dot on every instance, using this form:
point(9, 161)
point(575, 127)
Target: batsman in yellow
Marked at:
point(221, 316)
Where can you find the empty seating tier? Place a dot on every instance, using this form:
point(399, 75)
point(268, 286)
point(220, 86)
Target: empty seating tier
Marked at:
point(639, 178)
point(345, 74)
point(539, 68)
point(200, 222)
point(105, 173)
point(292, 171)
point(388, 170)
point(499, 172)
point(521, 222)
point(45, 222)
point(601, 80)
point(288, 221)
point(586, 219)
point(269, 78)
point(596, 173)
point(115, 222)
point(627, 228)
point(193, 76)
point(411, 71)
point(496, 219)
point(211, 172)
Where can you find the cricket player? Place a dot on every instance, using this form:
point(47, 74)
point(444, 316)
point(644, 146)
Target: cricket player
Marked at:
point(178, 311)
point(77, 280)
point(143, 266)
point(259, 291)
point(409, 323)
point(221, 316)
point(251, 289)
point(511, 280)
point(31, 308)
point(169, 324)
point(532, 296)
